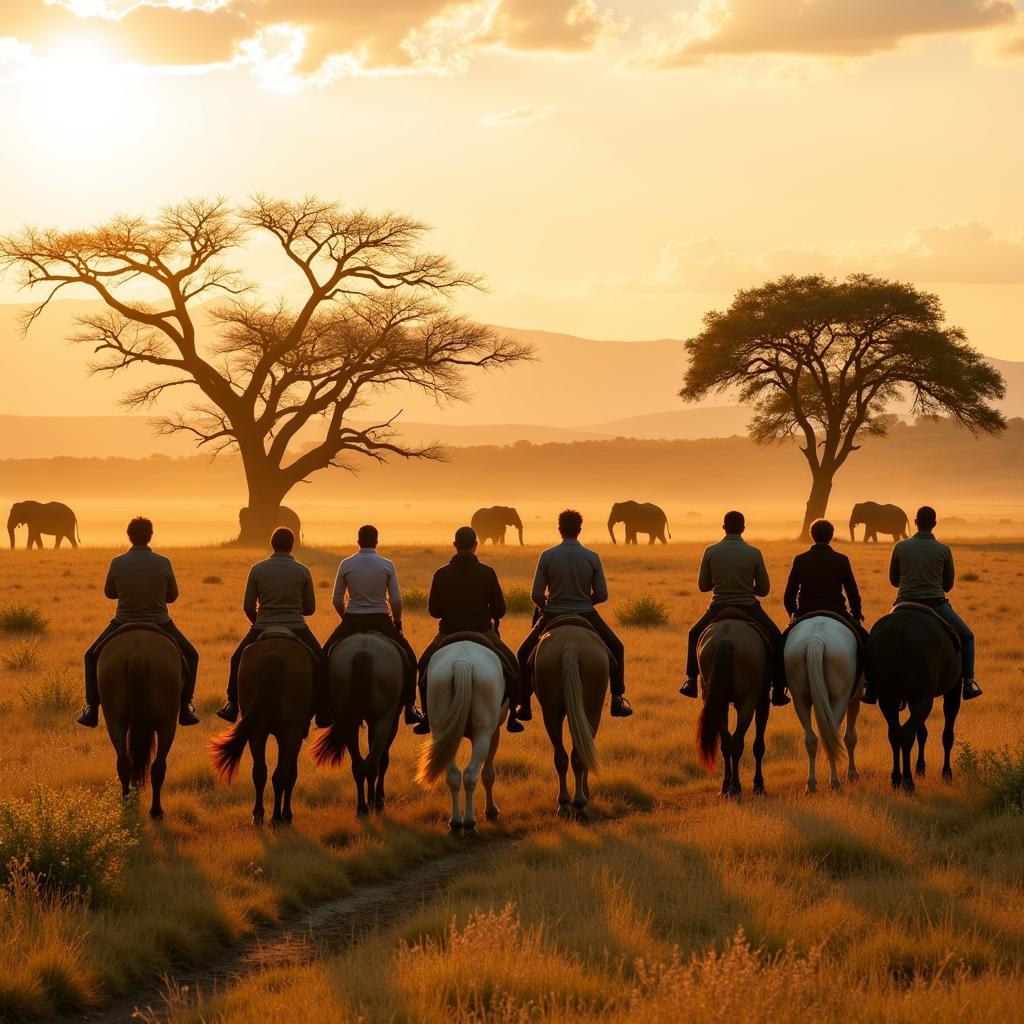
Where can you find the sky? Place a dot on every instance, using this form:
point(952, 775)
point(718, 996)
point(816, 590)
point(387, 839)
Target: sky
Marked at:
point(614, 167)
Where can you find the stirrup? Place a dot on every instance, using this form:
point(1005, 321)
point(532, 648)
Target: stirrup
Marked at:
point(422, 727)
point(971, 690)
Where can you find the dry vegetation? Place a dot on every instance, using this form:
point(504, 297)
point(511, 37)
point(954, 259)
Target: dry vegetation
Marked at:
point(672, 906)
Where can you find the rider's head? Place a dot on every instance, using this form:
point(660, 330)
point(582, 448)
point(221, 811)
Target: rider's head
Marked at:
point(822, 531)
point(282, 539)
point(570, 522)
point(465, 539)
point(140, 530)
point(926, 518)
point(368, 536)
point(734, 523)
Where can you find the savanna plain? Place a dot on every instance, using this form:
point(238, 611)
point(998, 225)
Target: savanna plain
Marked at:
point(670, 905)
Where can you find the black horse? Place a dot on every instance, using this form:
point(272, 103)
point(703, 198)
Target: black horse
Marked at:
point(913, 656)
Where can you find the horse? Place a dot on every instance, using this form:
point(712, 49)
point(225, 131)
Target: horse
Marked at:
point(571, 679)
point(733, 667)
point(912, 656)
point(465, 693)
point(275, 694)
point(140, 678)
point(365, 676)
point(821, 670)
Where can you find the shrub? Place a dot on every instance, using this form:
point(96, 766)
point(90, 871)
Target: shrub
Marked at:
point(20, 618)
point(212, 579)
point(969, 577)
point(414, 600)
point(518, 600)
point(644, 611)
point(70, 839)
point(54, 691)
point(22, 657)
point(999, 773)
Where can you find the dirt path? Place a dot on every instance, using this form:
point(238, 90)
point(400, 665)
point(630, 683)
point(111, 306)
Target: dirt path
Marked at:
point(327, 928)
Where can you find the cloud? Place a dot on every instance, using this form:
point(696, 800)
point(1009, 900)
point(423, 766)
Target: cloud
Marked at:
point(291, 43)
point(813, 28)
point(958, 253)
point(525, 114)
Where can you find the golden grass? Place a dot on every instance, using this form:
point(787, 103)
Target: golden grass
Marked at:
point(861, 900)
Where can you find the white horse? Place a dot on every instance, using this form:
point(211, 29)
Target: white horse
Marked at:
point(465, 694)
point(821, 670)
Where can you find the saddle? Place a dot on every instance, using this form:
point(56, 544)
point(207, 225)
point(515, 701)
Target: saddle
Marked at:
point(148, 627)
point(823, 613)
point(914, 606)
point(569, 619)
point(509, 667)
point(735, 614)
point(402, 653)
point(284, 633)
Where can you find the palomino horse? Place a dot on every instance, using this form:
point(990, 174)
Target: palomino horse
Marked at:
point(821, 669)
point(571, 679)
point(140, 677)
point(365, 674)
point(275, 692)
point(732, 658)
point(913, 657)
point(465, 693)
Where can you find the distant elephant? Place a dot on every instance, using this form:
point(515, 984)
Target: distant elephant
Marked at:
point(639, 518)
point(254, 531)
point(490, 523)
point(878, 519)
point(51, 518)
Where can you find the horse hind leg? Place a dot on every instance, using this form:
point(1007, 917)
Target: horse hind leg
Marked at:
point(487, 776)
point(158, 772)
point(279, 780)
point(950, 710)
point(580, 800)
point(470, 778)
point(561, 759)
point(123, 764)
point(258, 749)
point(290, 763)
point(803, 712)
point(850, 739)
point(453, 777)
point(922, 739)
point(760, 727)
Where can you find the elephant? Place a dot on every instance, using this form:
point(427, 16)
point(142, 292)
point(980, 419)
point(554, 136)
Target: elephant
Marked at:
point(878, 519)
point(490, 523)
point(51, 518)
point(258, 529)
point(639, 517)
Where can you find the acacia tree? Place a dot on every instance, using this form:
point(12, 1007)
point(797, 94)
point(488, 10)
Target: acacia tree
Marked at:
point(374, 313)
point(821, 360)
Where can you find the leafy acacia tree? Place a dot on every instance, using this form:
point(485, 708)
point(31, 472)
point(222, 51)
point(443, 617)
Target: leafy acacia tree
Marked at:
point(374, 313)
point(820, 360)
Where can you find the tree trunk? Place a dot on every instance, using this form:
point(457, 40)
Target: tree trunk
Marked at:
point(265, 512)
point(817, 502)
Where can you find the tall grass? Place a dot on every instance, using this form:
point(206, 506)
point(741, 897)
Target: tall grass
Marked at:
point(414, 600)
point(999, 773)
point(645, 611)
point(22, 656)
point(52, 692)
point(21, 618)
point(518, 600)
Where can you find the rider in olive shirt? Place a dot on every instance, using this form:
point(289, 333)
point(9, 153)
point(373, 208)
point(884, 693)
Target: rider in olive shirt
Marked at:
point(143, 584)
point(922, 571)
point(735, 573)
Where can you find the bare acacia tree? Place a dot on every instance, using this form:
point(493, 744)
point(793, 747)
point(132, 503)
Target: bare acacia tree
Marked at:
point(820, 360)
point(375, 313)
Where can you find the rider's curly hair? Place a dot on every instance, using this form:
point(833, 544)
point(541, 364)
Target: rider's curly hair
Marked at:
point(570, 522)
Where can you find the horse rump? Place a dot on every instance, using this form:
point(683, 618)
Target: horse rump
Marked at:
point(226, 750)
point(579, 725)
point(141, 740)
point(445, 740)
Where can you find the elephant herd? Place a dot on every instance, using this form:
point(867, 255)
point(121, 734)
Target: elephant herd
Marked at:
point(56, 520)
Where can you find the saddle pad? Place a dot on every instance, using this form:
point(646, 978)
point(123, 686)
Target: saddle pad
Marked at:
point(569, 619)
point(824, 615)
point(130, 627)
point(913, 606)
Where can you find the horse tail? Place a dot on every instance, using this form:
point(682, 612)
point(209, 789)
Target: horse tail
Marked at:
point(329, 748)
point(815, 654)
point(579, 725)
point(445, 741)
point(226, 750)
point(141, 728)
point(716, 704)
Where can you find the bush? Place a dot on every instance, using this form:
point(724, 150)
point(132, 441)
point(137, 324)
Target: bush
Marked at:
point(415, 600)
point(644, 611)
point(969, 577)
point(71, 840)
point(999, 773)
point(518, 600)
point(54, 691)
point(212, 579)
point(22, 657)
point(20, 618)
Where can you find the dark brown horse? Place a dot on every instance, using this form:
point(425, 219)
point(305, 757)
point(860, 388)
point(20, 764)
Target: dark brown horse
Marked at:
point(365, 678)
point(733, 663)
point(275, 692)
point(140, 677)
point(571, 680)
point(913, 657)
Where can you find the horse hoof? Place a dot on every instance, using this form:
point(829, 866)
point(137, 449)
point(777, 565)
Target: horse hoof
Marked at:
point(947, 777)
point(257, 821)
point(853, 776)
point(455, 827)
point(580, 814)
point(493, 813)
point(156, 815)
point(362, 812)
point(760, 791)
point(378, 806)
point(470, 831)
point(908, 785)
point(919, 771)
point(563, 812)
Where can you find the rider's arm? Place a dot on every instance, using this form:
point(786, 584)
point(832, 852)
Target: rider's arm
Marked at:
point(540, 582)
point(762, 585)
point(792, 589)
point(110, 584)
point(948, 573)
point(599, 588)
point(894, 569)
point(171, 594)
point(852, 593)
point(338, 598)
point(395, 597)
point(435, 602)
point(250, 597)
point(308, 595)
point(497, 600)
point(705, 583)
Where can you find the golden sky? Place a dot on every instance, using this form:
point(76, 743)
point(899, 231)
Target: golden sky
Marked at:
point(615, 167)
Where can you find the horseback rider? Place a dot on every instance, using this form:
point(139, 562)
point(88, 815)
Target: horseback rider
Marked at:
point(279, 592)
point(570, 581)
point(819, 577)
point(735, 574)
point(143, 584)
point(466, 596)
point(921, 569)
point(371, 583)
